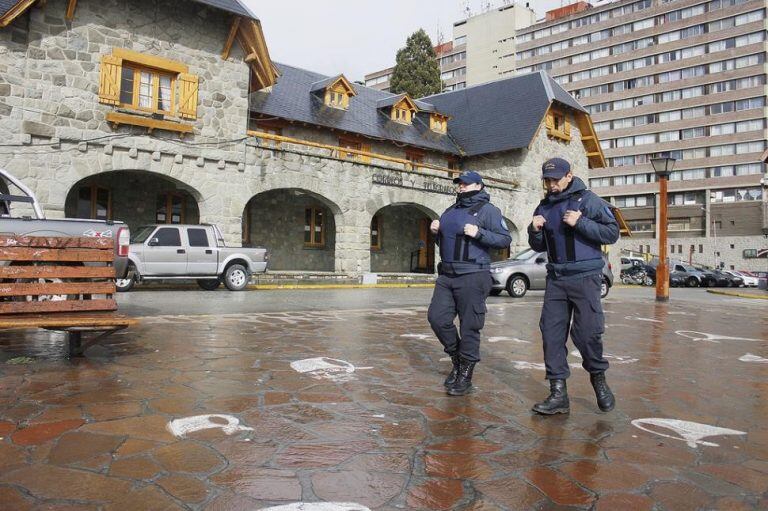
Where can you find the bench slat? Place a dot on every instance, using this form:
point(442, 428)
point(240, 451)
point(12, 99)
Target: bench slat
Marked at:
point(55, 254)
point(79, 319)
point(57, 288)
point(61, 272)
point(57, 242)
point(58, 306)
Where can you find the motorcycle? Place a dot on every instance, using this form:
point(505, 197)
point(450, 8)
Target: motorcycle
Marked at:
point(636, 276)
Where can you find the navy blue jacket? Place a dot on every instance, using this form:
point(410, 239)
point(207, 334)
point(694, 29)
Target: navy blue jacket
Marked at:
point(574, 251)
point(475, 209)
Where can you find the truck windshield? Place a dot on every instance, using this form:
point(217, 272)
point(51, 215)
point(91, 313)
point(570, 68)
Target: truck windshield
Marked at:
point(142, 233)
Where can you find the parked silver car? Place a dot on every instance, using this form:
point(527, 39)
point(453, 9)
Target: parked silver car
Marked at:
point(528, 270)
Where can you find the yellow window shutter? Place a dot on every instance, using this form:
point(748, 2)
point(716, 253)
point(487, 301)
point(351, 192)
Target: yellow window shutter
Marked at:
point(366, 148)
point(550, 121)
point(109, 79)
point(188, 87)
point(567, 128)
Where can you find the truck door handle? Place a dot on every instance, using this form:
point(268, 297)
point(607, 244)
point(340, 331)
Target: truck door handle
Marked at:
point(181, 251)
point(209, 251)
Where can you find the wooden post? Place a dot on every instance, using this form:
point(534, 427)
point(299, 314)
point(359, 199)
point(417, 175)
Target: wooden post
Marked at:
point(662, 270)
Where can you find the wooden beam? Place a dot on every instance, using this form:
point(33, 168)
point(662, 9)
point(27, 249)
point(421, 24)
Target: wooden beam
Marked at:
point(57, 306)
point(71, 10)
point(368, 154)
point(55, 254)
point(150, 60)
point(231, 38)
point(15, 11)
point(149, 123)
point(56, 272)
point(57, 288)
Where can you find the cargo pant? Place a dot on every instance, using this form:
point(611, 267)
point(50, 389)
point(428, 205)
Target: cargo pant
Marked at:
point(573, 306)
point(462, 295)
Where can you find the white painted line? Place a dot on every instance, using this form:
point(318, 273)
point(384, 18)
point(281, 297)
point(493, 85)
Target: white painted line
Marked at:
point(617, 359)
point(324, 368)
point(228, 424)
point(691, 432)
point(421, 337)
point(637, 318)
point(318, 506)
point(749, 357)
point(703, 336)
point(508, 339)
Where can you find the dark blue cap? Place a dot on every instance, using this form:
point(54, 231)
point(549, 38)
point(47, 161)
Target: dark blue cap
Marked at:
point(555, 168)
point(468, 177)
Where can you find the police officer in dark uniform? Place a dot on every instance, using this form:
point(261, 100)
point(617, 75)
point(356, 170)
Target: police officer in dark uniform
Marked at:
point(465, 232)
point(571, 224)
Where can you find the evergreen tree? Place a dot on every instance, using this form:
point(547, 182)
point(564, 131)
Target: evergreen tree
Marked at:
point(416, 71)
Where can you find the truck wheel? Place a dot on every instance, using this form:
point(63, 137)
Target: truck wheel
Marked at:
point(236, 277)
point(692, 282)
point(126, 284)
point(517, 286)
point(604, 288)
point(209, 284)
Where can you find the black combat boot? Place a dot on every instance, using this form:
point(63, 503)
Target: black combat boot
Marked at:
point(556, 402)
point(463, 383)
point(605, 399)
point(451, 379)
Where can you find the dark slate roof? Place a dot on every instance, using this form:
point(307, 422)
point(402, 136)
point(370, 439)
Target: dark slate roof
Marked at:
point(291, 98)
point(233, 6)
point(501, 115)
point(6, 5)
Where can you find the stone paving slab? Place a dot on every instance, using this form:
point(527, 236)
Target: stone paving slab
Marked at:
point(252, 411)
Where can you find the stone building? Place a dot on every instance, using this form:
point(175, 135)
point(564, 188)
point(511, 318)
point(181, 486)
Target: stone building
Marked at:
point(172, 112)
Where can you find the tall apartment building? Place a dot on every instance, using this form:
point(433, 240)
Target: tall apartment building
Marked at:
point(684, 78)
point(482, 49)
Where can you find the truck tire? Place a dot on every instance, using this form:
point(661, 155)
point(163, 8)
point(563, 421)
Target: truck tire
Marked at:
point(209, 284)
point(495, 292)
point(236, 277)
point(126, 284)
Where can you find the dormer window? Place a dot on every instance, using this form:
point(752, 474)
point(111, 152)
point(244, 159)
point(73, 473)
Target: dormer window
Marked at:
point(334, 91)
point(438, 123)
point(402, 115)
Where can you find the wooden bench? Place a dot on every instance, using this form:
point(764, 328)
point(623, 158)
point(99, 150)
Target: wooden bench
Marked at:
point(73, 324)
point(60, 283)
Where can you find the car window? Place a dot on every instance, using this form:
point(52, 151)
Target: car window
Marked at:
point(141, 234)
point(197, 237)
point(624, 260)
point(679, 268)
point(168, 237)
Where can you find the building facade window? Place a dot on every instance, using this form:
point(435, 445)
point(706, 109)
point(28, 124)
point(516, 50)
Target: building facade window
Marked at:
point(314, 227)
point(94, 202)
point(171, 208)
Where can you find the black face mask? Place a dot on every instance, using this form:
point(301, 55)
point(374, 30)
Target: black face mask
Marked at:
point(467, 195)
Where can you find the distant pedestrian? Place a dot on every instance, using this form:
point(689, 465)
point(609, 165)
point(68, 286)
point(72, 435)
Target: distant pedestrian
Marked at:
point(465, 232)
point(571, 224)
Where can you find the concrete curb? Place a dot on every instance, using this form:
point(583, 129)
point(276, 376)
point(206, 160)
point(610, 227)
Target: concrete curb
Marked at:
point(738, 295)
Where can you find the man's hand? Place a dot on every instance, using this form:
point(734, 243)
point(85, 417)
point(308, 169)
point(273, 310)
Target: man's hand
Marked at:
point(434, 226)
point(538, 222)
point(471, 230)
point(571, 217)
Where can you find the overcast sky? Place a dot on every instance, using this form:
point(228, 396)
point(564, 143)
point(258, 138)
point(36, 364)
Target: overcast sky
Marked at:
point(356, 37)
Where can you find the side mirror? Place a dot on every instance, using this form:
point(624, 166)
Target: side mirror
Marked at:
point(153, 242)
point(541, 260)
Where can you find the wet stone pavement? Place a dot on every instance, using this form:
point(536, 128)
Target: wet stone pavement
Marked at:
point(252, 411)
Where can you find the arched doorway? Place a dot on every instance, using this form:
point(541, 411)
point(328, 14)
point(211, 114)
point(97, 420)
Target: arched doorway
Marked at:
point(135, 197)
point(401, 240)
point(296, 226)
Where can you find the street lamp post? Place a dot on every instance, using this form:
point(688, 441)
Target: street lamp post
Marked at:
point(662, 167)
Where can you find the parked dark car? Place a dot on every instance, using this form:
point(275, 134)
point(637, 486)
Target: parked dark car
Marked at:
point(677, 279)
point(713, 278)
point(733, 280)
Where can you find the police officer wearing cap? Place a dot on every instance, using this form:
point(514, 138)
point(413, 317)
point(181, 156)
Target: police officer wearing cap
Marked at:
point(571, 224)
point(465, 232)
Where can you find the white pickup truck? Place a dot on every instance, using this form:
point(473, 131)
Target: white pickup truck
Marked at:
point(165, 251)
